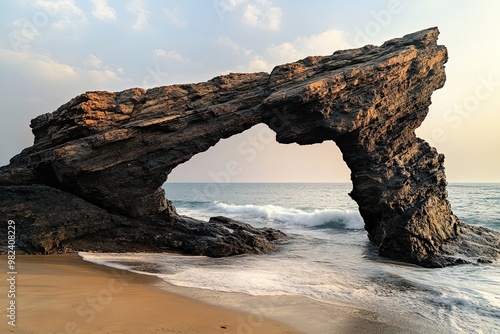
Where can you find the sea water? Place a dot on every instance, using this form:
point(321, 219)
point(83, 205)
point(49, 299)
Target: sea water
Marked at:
point(328, 258)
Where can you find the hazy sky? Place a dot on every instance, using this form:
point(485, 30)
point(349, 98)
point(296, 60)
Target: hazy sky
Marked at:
point(53, 50)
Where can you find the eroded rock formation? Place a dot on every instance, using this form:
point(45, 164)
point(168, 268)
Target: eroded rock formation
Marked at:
point(92, 180)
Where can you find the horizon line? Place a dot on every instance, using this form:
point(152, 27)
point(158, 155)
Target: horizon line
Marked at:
point(321, 182)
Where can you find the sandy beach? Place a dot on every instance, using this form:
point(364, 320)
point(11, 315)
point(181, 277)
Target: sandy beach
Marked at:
point(59, 294)
point(64, 294)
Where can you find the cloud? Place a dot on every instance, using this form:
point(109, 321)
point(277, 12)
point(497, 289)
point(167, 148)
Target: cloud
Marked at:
point(44, 68)
point(102, 10)
point(252, 14)
point(59, 14)
point(100, 72)
point(256, 13)
point(258, 64)
point(40, 66)
point(222, 6)
point(236, 49)
point(26, 30)
point(65, 12)
point(262, 15)
point(102, 76)
point(137, 7)
point(231, 4)
point(324, 43)
point(174, 55)
point(95, 61)
point(174, 16)
point(159, 53)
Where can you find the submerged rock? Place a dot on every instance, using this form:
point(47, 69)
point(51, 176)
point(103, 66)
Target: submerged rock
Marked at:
point(93, 178)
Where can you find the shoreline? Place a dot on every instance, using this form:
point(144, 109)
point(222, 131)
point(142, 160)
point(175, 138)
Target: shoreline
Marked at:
point(302, 313)
point(307, 315)
point(65, 294)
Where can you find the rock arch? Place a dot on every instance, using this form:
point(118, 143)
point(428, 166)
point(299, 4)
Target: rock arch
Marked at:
point(106, 155)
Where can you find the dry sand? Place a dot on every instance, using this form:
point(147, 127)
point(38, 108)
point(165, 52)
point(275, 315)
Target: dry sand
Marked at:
point(64, 294)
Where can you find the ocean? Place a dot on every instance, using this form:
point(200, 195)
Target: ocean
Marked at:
point(328, 259)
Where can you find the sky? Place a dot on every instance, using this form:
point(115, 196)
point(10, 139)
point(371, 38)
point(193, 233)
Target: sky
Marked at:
point(54, 50)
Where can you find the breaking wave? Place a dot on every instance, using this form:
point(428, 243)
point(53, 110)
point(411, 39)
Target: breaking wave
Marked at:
point(317, 218)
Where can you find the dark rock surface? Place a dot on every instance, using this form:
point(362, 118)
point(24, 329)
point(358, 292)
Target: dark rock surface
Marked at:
point(92, 180)
point(50, 220)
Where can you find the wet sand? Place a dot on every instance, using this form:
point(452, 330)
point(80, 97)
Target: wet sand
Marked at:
point(64, 294)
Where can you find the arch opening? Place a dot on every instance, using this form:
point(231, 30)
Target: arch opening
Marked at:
point(254, 155)
point(252, 178)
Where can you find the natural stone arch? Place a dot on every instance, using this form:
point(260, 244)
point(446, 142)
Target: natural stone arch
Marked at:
point(110, 153)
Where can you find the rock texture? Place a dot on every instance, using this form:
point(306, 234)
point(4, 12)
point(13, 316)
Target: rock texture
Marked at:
point(92, 180)
point(50, 220)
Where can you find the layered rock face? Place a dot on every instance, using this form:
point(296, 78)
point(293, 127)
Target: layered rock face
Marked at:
point(92, 180)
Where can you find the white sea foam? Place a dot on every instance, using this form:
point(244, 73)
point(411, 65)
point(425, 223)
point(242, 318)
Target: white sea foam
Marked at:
point(319, 218)
point(249, 275)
